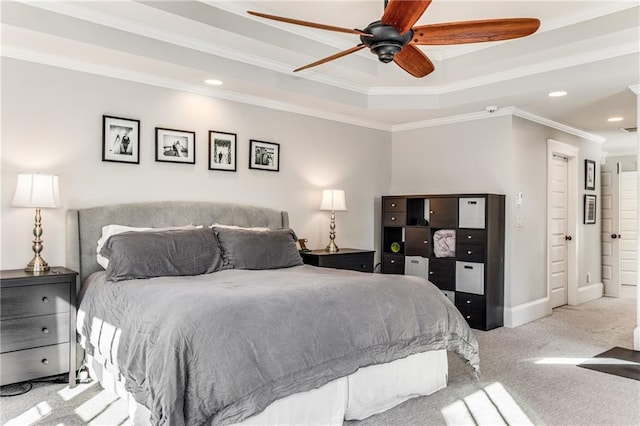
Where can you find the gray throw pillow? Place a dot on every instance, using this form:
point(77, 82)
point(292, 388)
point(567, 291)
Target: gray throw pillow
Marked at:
point(246, 249)
point(134, 255)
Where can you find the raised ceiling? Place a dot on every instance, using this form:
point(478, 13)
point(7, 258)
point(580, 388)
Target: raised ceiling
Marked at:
point(588, 48)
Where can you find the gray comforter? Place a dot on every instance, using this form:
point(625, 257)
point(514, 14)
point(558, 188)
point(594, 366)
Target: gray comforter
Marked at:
point(220, 347)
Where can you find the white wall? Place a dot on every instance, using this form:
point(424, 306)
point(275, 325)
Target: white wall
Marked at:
point(497, 155)
point(52, 123)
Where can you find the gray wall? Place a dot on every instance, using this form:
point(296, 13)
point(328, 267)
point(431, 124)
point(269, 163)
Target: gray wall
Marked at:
point(502, 155)
point(52, 123)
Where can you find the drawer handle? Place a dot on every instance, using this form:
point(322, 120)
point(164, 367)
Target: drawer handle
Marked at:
point(472, 202)
point(392, 261)
point(431, 212)
point(393, 218)
point(45, 299)
point(426, 242)
point(45, 330)
point(469, 237)
point(468, 251)
point(468, 301)
point(393, 204)
point(45, 361)
point(468, 316)
point(468, 267)
point(430, 272)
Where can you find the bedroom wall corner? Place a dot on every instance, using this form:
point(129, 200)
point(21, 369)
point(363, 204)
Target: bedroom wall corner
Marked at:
point(52, 123)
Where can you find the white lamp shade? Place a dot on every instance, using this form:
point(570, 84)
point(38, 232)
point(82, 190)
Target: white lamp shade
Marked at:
point(36, 190)
point(333, 200)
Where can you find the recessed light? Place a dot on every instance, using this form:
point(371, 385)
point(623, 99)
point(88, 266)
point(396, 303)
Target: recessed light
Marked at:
point(557, 94)
point(213, 82)
point(614, 119)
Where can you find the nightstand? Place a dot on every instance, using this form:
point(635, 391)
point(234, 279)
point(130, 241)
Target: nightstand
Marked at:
point(37, 324)
point(346, 258)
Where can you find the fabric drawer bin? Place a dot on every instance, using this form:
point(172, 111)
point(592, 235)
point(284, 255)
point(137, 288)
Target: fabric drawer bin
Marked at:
point(451, 295)
point(19, 366)
point(25, 301)
point(471, 213)
point(394, 219)
point(393, 264)
point(472, 308)
point(470, 277)
point(43, 330)
point(395, 204)
point(416, 266)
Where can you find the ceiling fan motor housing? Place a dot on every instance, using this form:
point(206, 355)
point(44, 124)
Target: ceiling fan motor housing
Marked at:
point(386, 41)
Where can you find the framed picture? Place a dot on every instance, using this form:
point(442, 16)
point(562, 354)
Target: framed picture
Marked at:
point(175, 146)
point(120, 139)
point(222, 151)
point(589, 209)
point(264, 155)
point(589, 174)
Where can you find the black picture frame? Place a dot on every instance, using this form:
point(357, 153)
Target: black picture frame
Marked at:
point(590, 209)
point(589, 174)
point(222, 151)
point(120, 139)
point(175, 146)
point(264, 155)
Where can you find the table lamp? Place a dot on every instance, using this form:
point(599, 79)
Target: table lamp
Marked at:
point(333, 200)
point(37, 191)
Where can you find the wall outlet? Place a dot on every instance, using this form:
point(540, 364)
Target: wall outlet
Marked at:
point(588, 277)
point(519, 221)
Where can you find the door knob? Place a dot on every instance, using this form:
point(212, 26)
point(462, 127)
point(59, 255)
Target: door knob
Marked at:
point(614, 236)
point(568, 237)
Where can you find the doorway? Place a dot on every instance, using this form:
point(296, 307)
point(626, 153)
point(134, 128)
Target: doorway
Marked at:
point(562, 227)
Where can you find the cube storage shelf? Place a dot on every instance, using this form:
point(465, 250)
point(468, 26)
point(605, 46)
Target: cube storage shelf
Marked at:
point(470, 271)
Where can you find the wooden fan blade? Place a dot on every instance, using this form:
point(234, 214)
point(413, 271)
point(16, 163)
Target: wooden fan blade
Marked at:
point(474, 31)
point(403, 14)
point(332, 57)
point(414, 61)
point(309, 24)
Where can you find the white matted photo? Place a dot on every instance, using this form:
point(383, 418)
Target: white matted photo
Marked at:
point(264, 155)
point(175, 146)
point(222, 151)
point(120, 139)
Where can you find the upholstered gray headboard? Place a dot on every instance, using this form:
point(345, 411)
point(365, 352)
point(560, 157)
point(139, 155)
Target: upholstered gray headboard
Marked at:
point(84, 226)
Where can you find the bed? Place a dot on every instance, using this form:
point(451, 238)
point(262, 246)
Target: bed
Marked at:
point(259, 338)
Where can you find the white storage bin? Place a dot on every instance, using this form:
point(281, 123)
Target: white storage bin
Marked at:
point(471, 213)
point(416, 266)
point(470, 277)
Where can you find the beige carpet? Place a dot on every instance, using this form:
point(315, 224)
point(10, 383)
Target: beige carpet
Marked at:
point(529, 376)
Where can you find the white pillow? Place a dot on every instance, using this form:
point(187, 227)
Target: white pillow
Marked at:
point(255, 228)
point(109, 230)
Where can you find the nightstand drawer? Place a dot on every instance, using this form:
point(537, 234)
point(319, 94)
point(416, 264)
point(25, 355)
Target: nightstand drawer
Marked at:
point(393, 264)
point(472, 308)
point(29, 364)
point(42, 330)
point(394, 219)
point(395, 204)
point(26, 301)
point(354, 262)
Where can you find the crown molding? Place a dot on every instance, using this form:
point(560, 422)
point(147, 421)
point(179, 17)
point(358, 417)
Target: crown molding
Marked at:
point(153, 80)
point(635, 89)
point(502, 112)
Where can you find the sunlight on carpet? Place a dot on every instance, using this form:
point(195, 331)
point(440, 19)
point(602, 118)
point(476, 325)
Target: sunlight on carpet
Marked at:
point(492, 405)
point(31, 416)
point(104, 408)
point(579, 361)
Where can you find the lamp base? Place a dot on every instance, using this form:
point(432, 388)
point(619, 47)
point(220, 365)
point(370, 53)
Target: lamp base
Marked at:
point(332, 247)
point(36, 265)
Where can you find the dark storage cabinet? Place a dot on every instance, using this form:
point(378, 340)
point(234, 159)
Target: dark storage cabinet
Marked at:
point(471, 273)
point(352, 259)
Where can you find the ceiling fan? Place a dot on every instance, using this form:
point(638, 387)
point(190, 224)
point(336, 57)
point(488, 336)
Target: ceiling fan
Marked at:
point(394, 38)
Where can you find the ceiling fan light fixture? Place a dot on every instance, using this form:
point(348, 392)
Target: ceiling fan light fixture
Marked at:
point(385, 41)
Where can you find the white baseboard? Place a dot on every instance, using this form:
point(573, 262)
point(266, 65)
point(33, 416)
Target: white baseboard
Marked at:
point(527, 312)
point(590, 292)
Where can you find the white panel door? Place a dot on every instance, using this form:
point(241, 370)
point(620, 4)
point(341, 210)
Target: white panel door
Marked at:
point(558, 234)
point(628, 228)
point(610, 195)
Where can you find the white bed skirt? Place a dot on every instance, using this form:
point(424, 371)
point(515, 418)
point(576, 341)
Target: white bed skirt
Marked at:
point(368, 391)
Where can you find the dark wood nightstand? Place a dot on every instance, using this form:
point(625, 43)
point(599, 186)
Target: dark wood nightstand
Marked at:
point(37, 324)
point(346, 258)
